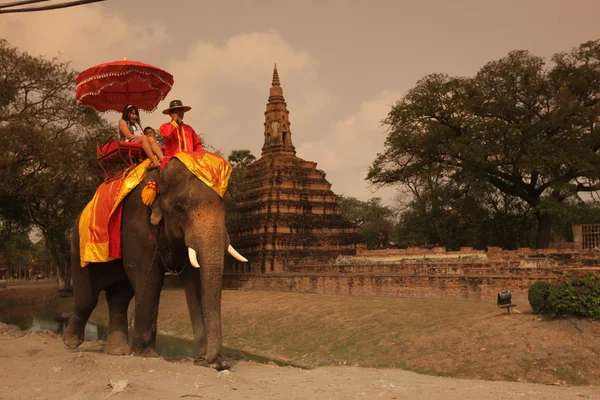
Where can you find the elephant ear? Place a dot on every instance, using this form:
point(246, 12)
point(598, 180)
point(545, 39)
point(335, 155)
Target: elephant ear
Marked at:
point(157, 213)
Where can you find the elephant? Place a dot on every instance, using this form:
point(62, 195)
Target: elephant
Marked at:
point(184, 227)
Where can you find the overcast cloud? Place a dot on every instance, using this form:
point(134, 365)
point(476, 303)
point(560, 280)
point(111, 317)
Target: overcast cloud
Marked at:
point(341, 63)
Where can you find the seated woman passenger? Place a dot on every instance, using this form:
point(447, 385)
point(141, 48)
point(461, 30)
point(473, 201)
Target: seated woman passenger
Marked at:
point(131, 131)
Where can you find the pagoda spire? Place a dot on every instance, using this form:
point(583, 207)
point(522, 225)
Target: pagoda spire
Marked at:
point(278, 137)
point(275, 77)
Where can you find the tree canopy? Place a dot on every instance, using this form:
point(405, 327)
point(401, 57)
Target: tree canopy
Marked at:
point(239, 159)
point(523, 128)
point(48, 166)
point(374, 220)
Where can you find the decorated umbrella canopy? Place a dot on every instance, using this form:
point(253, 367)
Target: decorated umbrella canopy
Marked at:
point(112, 86)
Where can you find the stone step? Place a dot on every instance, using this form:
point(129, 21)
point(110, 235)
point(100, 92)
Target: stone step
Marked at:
point(429, 264)
point(407, 269)
point(539, 275)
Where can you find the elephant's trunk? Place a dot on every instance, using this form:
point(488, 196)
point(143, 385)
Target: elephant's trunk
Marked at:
point(211, 278)
point(206, 251)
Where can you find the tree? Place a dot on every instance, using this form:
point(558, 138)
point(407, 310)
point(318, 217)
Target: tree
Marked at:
point(452, 216)
point(456, 212)
point(47, 158)
point(374, 220)
point(239, 160)
point(15, 247)
point(526, 130)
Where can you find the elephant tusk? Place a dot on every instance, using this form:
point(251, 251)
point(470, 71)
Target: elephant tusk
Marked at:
point(236, 255)
point(193, 258)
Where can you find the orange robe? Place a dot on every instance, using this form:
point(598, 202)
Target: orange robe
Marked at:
point(179, 138)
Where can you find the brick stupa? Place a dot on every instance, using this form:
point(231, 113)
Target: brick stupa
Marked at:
point(288, 214)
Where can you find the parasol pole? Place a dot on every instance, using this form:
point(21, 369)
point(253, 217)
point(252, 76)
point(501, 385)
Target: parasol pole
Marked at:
point(127, 90)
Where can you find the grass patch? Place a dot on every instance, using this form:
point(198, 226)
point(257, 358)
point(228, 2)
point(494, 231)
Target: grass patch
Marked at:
point(437, 337)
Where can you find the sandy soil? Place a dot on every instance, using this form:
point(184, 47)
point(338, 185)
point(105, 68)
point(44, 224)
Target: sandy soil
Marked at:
point(38, 366)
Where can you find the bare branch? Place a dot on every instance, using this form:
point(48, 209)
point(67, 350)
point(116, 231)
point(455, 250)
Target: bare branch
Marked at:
point(21, 3)
point(44, 8)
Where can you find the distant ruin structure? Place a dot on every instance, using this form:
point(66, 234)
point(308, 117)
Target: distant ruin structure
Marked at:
point(287, 213)
point(586, 236)
point(287, 223)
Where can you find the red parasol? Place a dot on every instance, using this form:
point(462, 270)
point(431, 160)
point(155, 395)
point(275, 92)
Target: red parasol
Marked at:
point(112, 86)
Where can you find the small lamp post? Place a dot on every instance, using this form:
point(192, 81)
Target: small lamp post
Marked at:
point(505, 300)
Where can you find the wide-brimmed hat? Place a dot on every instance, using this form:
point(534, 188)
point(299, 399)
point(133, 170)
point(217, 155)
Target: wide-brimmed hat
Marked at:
point(176, 104)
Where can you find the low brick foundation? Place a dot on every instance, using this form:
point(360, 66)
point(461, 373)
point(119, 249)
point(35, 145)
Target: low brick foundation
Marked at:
point(421, 273)
point(478, 288)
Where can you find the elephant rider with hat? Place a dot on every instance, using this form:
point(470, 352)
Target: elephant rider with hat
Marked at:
point(177, 135)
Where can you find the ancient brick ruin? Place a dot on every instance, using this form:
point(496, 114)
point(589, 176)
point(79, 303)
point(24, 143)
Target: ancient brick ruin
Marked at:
point(288, 213)
point(296, 240)
point(467, 274)
point(586, 236)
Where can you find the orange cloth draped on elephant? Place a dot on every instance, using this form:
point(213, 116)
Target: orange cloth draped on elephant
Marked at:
point(210, 168)
point(100, 221)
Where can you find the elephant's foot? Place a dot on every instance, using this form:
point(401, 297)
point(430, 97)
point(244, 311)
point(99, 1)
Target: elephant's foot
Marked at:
point(150, 353)
point(72, 340)
point(219, 364)
point(116, 349)
point(117, 344)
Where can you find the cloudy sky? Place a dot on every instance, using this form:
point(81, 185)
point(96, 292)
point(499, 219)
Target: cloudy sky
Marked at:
point(342, 63)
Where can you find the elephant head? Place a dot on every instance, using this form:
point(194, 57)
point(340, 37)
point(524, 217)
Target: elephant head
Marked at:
point(192, 211)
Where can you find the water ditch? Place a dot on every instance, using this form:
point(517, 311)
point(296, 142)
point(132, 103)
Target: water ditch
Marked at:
point(167, 346)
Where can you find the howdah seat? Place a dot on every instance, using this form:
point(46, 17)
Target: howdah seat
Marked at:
point(117, 157)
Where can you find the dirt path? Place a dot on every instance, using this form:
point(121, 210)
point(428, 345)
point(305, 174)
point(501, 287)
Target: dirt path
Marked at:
point(36, 366)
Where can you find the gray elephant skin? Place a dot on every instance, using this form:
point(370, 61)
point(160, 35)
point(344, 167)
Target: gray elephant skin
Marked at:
point(185, 225)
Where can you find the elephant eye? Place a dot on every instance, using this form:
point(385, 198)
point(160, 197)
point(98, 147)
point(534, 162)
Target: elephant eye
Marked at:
point(179, 207)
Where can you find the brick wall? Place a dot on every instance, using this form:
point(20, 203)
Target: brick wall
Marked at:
point(421, 273)
point(478, 288)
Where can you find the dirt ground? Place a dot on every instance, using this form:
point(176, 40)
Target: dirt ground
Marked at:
point(38, 366)
point(356, 347)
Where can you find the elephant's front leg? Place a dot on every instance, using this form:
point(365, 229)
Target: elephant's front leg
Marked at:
point(118, 299)
point(85, 298)
point(190, 279)
point(147, 286)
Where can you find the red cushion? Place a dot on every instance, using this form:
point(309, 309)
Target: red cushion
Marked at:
point(109, 151)
point(110, 146)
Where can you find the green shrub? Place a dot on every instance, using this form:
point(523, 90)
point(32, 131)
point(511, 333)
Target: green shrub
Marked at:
point(576, 294)
point(538, 297)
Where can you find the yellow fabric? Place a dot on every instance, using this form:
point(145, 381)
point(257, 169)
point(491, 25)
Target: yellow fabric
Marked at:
point(181, 139)
point(180, 134)
point(210, 168)
point(93, 223)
